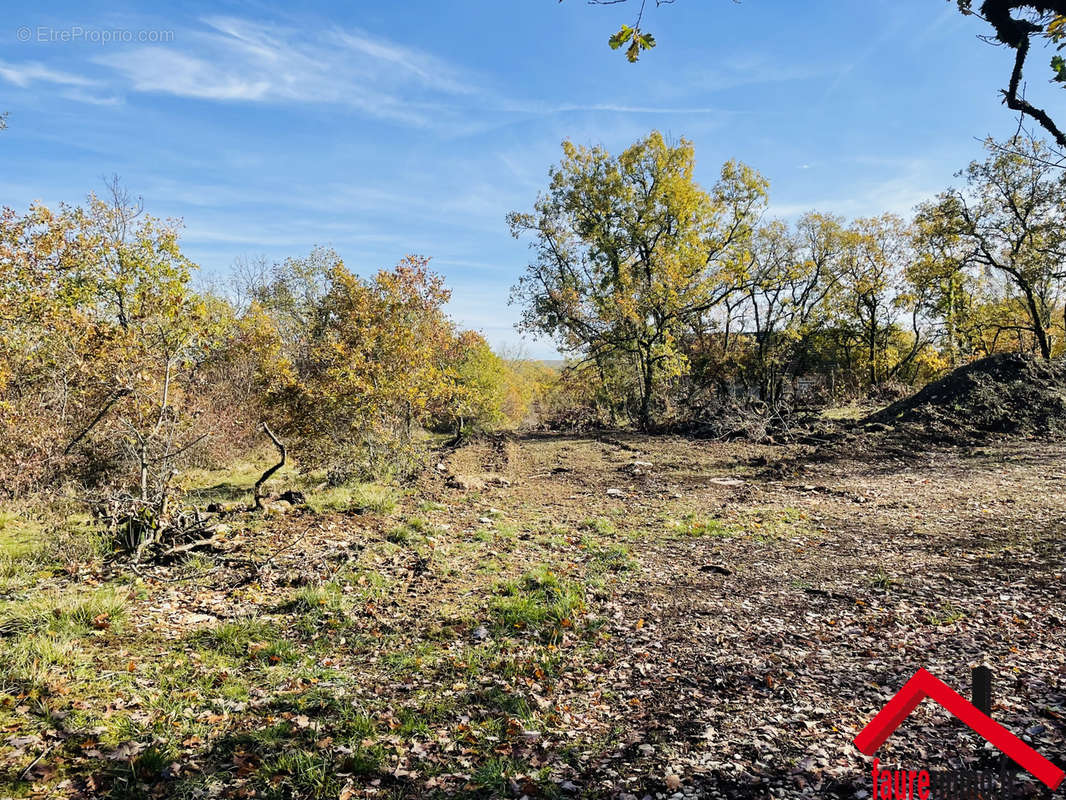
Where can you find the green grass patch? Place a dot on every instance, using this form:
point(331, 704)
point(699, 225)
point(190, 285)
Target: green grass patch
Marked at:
point(601, 526)
point(361, 498)
point(693, 525)
point(20, 536)
point(611, 558)
point(760, 524)
point(60, 613)
point(539, 602)
point(249, 639)
point(945, 615)
point(233, 483)
point(413, 530)
point(316, 599)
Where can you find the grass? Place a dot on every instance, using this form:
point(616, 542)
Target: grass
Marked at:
point(610, 558)
point(309, 656)
point(412, 530)
point(59, 613)
point(694, 525)
point(881, 580)
point(945, 615)
point(760, 524)
point(43, 638)
point(248, 639)
point(37, 538)
point(233, 483)
point(539, 602)
point(601, 526)
point(20, 536)
point(233, 486)
point(361, 498)
point(316, 599)
point(368, 586)
point(852, 411)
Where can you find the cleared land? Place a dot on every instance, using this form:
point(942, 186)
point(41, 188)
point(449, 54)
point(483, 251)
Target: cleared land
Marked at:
point(550, 616)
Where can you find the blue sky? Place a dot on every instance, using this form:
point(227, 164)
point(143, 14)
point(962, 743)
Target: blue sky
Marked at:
point(390, 128)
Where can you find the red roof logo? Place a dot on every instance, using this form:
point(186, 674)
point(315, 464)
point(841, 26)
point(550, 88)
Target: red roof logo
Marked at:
point(924, 684)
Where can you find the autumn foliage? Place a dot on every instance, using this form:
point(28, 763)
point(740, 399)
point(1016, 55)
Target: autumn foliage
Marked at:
point(114, 370)
point(672, 301)
point(675, 301)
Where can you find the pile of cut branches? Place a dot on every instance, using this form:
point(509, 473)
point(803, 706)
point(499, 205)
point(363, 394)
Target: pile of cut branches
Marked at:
point(152, 530)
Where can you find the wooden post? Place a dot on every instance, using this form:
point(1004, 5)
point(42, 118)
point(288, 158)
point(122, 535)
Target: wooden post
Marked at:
point(982, 689)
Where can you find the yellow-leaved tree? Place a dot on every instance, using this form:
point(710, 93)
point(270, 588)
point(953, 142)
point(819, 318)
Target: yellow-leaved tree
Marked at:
point(628, 252)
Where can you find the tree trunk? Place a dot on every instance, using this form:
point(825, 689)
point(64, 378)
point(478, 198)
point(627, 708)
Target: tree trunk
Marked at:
point(1038, 326)
point(873, 355)
point(257, 491)
point(648, 379)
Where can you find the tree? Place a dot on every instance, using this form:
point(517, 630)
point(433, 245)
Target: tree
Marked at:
point(942, 288)
point(1015, 23)
point(481, 385)
point(368, 361)
point(791, 286)
point(873, 261)
point(100, 341)
point(1010, 223)
point(629, 250)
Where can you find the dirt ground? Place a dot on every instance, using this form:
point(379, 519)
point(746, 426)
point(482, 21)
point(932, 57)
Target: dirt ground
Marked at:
point(717, 620)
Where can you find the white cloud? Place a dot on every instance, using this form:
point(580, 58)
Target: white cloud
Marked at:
point(93, 99)
point(238, 60)
point(23, 75)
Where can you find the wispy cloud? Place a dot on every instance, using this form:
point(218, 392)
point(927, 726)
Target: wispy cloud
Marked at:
point(23, 75)
point(93, 99)
point(237, 60)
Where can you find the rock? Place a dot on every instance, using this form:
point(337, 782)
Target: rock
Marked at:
point(481, 633)
point(615, 493)
point(727, 481)
point(485, 520)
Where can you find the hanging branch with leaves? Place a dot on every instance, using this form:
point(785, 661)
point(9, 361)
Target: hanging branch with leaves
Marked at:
point(633, 37)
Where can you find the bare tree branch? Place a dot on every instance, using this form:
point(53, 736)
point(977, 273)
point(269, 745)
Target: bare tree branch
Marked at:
point(266, 475)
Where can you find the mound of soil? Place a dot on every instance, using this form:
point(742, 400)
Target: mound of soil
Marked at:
point(1006, 393)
